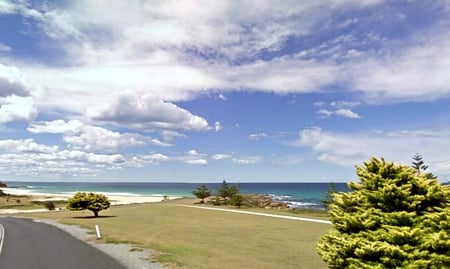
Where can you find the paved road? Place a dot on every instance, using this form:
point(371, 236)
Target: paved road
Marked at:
point(26, 244)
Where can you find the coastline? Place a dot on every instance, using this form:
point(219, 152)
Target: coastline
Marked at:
point(114, 199)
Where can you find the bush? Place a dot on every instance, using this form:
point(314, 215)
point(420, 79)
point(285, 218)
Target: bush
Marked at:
point(393, 218)
point(50, 205)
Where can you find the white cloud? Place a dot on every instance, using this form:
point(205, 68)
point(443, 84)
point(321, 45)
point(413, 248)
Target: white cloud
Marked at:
point(7, 7)
point(220, 156)
point(247, 160)
point(347, 113)
point(25, 146)
point(353, 149)
point(417, 73)
point(12, 81)
point(14, 108)
point(91, 138)
point(256, 137)
point(4, 48)
point(56, 127)
point(96, 139)
point(168, 135)
point(147, 113)
point(202, 162)
point(193, 157)
point(218, 126)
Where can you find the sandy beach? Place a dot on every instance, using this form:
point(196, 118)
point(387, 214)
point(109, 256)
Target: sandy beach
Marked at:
point(114, 199)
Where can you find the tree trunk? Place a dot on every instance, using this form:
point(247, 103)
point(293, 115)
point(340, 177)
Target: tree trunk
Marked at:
point(95, 213)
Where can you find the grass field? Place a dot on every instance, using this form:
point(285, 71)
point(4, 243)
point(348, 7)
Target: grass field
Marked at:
point(197, 239)
point(24, 202)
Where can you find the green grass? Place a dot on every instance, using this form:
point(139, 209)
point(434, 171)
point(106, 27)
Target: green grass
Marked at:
point(24, 202)
point(194, 238)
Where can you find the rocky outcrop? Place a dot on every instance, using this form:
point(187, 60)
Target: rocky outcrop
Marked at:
point(264, 201)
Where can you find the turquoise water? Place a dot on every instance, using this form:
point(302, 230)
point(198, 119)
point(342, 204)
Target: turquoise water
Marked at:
point(296, 194)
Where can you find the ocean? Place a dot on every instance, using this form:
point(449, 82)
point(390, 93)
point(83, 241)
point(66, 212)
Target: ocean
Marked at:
point(297, 195)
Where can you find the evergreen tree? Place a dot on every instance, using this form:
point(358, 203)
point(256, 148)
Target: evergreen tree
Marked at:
point(393, 218)
point(202, 192)
point(328, 197)
point(237, 200)
point(223, 190)
point(418, 164)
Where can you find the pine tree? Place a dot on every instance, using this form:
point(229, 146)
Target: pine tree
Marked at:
point(328, 197)
point(393, 218)
point(418, 163)
point(202, 192)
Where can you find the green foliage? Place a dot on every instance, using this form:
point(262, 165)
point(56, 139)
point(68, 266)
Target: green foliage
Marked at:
point(91, 201)
point(328, 197)
point(226, 192)
point(393, 218)
point(50, 205)
point(419, 165)
point(202, 192)
point(237, 200)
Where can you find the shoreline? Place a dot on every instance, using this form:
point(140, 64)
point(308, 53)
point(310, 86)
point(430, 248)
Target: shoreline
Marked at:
point(114, 199)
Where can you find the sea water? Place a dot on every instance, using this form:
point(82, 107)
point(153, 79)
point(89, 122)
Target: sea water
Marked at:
point(297, 195)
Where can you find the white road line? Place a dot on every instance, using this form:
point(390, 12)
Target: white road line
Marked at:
point(2, 237)
point(261, 214)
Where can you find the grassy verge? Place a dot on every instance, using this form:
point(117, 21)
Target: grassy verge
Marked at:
point(24, 202)
point(194, 238)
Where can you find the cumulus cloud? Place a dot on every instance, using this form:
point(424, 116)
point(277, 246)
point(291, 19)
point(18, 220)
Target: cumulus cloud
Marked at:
point(347, 113)
point(25, 157)
point(12, 81)
point(25, 146)
point(56, 127)
point(13, 108)
point(193, 157)
point(147, 113)
point(91, 138)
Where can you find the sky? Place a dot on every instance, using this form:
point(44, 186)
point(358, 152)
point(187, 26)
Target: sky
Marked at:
point(205, 91)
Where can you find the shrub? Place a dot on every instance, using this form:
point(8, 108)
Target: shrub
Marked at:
point(393, 218)
point(50, 205)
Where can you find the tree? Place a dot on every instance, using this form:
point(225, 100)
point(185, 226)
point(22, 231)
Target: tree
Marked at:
point(237, 200)
point(94, 202)
point(223, 190)
point(393, 218)
point(226, 192)
point(202, 192)
point(418, 164)
point(328, 197)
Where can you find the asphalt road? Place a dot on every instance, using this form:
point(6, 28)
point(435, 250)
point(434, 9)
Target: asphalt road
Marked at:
point(26, 244)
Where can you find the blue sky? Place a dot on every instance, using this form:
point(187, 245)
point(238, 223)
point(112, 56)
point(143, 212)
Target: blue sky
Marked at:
point(210, 90)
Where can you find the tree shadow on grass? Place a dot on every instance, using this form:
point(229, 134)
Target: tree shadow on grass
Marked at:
point(93, 217)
